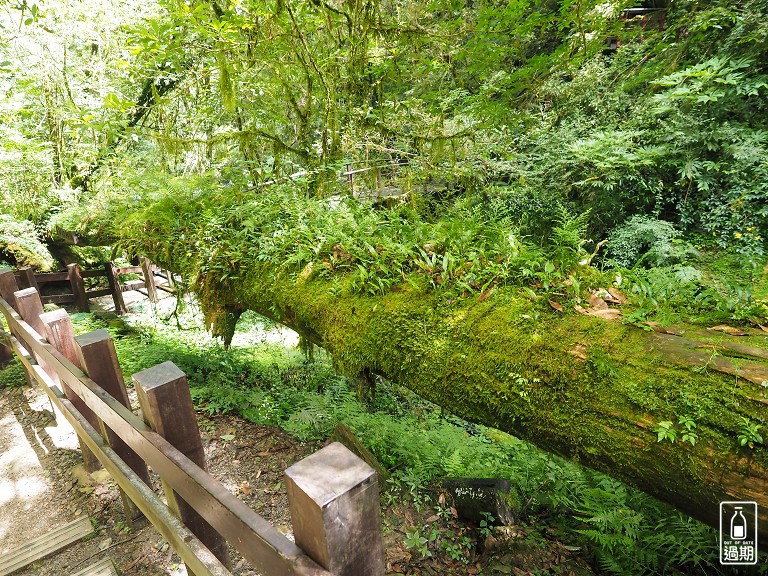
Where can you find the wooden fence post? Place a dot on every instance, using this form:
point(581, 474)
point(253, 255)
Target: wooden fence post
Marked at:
point(114, 286)
point(8, 286)
point(28, 278)
point(29, 306)
point(58, 330)
point(167, 408)
point(149, 279)
point(6, 354)
point(78, 288)
point(98, 358)
point(334, 500)
point(169, 279)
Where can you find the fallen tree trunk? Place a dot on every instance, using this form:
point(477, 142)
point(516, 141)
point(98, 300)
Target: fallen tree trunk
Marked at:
point(589, 389)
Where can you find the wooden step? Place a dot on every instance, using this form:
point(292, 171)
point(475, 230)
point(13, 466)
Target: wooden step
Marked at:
point(45, 545)
point(103, 568)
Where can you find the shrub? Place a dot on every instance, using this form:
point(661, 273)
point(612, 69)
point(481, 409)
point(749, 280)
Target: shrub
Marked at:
point(646, 241)
point(19, 244)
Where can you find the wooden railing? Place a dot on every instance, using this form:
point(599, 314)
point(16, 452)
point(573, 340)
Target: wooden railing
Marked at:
point(151, 279)
point(372, 178)
point(333, 495)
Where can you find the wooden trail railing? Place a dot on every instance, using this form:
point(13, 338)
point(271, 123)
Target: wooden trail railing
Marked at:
point(372, 178)
point(150, 281)
point(333, 495)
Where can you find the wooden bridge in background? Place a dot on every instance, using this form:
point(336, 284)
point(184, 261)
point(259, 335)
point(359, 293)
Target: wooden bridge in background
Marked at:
point(333, 495)
point(150, 280)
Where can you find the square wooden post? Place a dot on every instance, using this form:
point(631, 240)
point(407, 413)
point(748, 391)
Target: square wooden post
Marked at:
point(28, 278)
point(149, 279)
point(78, 287)
point(169, 279)
point(334, 500)
point(8, 286)
point(167, 408)
point(58, 330)
point(6, 354)
point(29, 306)
point(114, 286)
point(98, 358)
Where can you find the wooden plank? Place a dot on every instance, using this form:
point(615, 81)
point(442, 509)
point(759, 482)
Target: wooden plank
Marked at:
point(93, 273)
point(167, 407)
point(97, 293)
point(358, 171)
point(268, 550)
point(52, 277)
point(132, 285)
point(128, 270)
point(47, 544)
point(58, 299)
point(189, 548)
point(103, 568)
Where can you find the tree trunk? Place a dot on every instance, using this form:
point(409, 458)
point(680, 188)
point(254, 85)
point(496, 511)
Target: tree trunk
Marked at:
point(589, 389)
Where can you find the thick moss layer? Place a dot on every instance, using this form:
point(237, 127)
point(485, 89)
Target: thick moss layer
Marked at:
point(582, 387)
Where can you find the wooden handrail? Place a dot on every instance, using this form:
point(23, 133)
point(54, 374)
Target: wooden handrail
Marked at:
point(258, 541)
point(197, 558)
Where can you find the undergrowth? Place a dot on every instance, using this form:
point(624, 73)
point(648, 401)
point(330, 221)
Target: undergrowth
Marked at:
point(12, 376)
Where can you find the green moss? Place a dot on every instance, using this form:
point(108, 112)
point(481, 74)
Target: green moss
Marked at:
point(12, 376)
point(513, 364)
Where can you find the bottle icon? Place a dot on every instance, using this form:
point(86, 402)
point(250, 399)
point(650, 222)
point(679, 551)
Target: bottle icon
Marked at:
point(738, 525)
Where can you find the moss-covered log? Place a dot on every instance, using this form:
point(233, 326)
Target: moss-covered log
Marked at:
point(589, 389)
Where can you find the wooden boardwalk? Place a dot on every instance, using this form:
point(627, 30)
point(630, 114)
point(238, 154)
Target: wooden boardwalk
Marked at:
point(54, 541)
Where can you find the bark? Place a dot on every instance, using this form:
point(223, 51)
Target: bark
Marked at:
point(589, 389)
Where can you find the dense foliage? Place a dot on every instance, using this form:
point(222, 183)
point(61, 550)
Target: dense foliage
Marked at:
point(499, 125)
point(516, 102)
